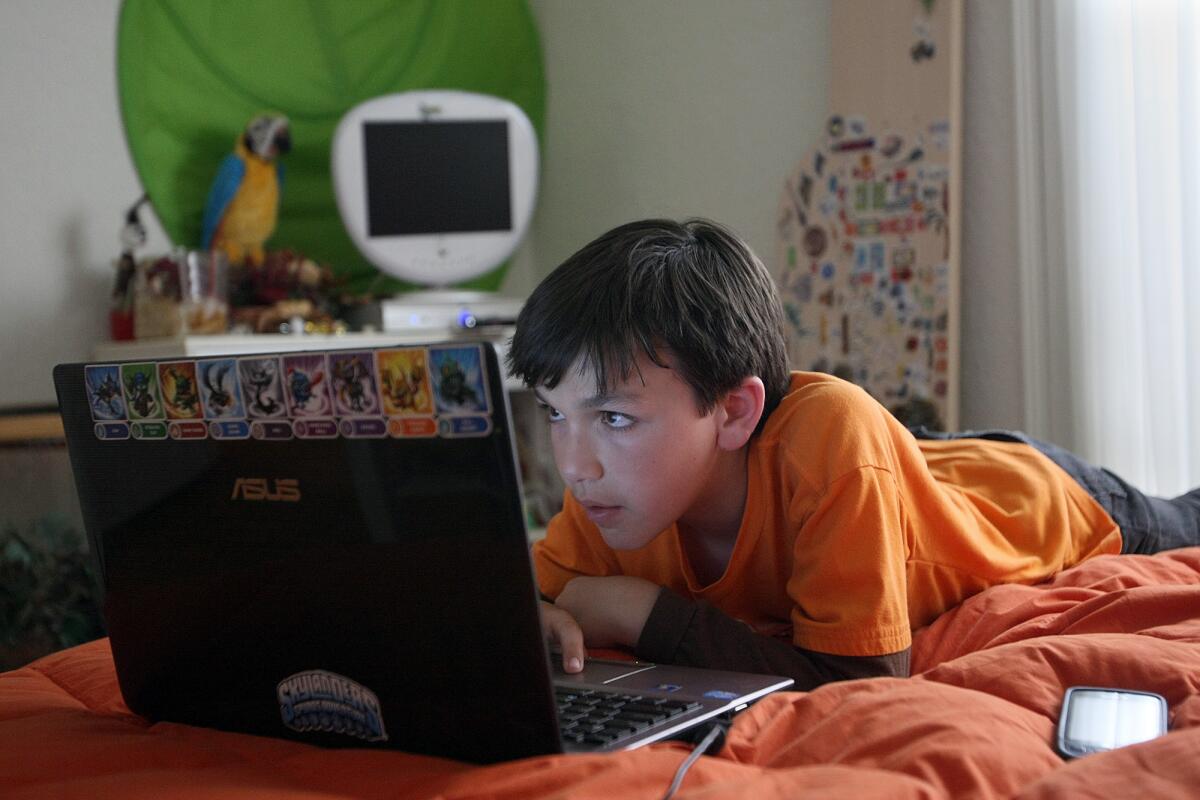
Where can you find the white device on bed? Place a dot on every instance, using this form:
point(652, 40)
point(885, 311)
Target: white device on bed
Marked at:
point(435, 187)
point(1095, 719)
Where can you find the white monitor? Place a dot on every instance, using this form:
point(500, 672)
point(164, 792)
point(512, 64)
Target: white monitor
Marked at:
point(435, 187)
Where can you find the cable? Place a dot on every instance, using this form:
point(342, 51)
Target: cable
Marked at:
point(714, 732)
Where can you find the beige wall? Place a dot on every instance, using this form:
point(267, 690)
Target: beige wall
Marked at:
point(670, 107)
point(656, 107)
point(673, 108)
point(65, 180)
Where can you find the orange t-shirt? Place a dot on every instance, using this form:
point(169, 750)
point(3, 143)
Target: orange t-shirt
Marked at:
point(855, 532)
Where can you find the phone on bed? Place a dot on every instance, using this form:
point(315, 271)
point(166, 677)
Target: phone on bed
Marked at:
point(1095, 719)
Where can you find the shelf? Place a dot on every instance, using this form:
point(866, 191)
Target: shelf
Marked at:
point(26, 428)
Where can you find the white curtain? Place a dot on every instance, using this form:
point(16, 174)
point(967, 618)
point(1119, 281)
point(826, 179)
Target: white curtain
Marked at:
point(1108, 143)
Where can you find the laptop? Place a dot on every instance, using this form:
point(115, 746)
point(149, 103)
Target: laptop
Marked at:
point(330, 547)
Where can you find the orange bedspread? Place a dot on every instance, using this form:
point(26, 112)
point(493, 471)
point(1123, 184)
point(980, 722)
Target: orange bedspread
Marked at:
point(976, 721)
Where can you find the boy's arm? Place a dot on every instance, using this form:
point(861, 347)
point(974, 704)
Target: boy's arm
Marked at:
point(680, 631)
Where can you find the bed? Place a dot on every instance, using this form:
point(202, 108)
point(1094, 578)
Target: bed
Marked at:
point(976, 720)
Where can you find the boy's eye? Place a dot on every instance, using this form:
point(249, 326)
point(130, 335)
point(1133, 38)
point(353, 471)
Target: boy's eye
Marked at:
point(552, 413)
point(614, 419)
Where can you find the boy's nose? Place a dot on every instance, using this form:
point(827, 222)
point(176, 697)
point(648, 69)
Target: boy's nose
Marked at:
point(576, 459)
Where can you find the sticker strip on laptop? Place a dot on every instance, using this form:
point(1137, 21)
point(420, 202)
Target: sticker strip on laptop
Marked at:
point(401, 392)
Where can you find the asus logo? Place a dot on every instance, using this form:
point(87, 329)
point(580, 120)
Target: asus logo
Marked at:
point(282, 490)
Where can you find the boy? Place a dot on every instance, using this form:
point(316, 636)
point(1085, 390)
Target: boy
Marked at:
point(722, 512)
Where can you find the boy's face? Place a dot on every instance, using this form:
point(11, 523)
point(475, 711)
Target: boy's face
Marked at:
point(637, 458)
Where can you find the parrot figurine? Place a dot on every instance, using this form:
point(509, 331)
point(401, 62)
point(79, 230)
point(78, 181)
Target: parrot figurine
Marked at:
point(244, 199)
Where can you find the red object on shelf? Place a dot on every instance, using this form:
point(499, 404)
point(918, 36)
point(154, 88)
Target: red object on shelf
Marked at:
point(120, 325)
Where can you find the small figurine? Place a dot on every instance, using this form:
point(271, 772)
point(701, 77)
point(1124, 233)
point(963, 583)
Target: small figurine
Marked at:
point(133, 236)
point(286, 286)
point(244, 199)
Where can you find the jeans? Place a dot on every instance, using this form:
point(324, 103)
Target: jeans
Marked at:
point(1148, 524)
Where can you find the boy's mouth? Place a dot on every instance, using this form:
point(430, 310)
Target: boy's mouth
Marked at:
point(600, 514)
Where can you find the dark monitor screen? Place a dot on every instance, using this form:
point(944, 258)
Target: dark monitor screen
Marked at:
point(437, 177)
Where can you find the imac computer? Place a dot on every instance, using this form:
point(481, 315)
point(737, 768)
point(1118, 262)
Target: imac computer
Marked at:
point(435, 188)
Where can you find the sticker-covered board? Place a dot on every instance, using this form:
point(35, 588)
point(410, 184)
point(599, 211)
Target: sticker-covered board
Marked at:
point(867, 256)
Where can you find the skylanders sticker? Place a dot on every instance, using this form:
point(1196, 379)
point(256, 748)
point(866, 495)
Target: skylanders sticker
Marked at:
point(151, 429)
point(404, 381)
point(220, 391)
point(193, 429)
point(112, 430)
point(315, 428)
point(412, 427)
point(229, 429)
point(262, 387)
point(408, 392)
point(354, 390)
point(271, 429)
point(460, 427)
point(306, 385)
point(104, 392)
point(457, 374)
point(140, 382)
point(363, 428)
point(179, 393)
point(316, 700)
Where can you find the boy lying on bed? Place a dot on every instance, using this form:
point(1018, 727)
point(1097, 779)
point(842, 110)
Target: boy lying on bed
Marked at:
point(721, 512)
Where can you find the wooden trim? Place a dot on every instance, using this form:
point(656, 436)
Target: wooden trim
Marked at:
point(955, 222)
point(16, 428)
point(1031, 214)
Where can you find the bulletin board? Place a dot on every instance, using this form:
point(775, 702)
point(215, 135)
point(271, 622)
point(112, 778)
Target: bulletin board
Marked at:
point(868, 243)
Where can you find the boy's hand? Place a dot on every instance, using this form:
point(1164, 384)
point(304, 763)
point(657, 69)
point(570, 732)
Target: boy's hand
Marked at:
point(561, 628)
point(611, 611)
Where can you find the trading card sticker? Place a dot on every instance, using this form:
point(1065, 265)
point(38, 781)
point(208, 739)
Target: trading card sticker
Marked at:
point(194, 429)
point(412, 427)
point(112, 430)
point(460, 427)
point(404, 381)
point(271, 429)
point(151, 429)
point(140, 382)
point(179, 389)
point(104, 392)
point(363, 428)
point(354, 387)
point(229, 429)
point(306, 385)
point(458, 380)
point(220, 391)
point(315, 428)
point(262, 387)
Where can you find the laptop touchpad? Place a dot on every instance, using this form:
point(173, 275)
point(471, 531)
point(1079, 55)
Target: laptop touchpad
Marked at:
point(600, 670)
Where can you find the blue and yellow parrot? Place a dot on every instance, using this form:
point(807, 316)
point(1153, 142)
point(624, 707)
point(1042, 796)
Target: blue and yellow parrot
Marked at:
point(244, 199)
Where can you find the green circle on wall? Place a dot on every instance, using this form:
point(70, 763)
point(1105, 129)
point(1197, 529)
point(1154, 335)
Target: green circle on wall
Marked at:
point(192, 73)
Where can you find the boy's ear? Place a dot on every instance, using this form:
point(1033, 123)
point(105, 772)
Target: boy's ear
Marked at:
point(741, 408)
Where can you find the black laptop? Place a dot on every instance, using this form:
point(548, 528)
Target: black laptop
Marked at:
point(330, 547)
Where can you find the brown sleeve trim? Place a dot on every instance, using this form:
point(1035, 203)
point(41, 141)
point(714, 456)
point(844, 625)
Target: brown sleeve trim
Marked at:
point(665, 628)
point(680, 631)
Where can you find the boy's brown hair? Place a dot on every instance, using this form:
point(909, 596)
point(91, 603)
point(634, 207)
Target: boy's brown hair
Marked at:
point(692, 287)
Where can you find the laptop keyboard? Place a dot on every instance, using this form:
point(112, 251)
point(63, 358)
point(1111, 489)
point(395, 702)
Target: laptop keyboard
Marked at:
point(598, 717)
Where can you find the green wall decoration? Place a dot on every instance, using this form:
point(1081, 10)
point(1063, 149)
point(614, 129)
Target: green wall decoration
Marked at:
point(192, 73)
